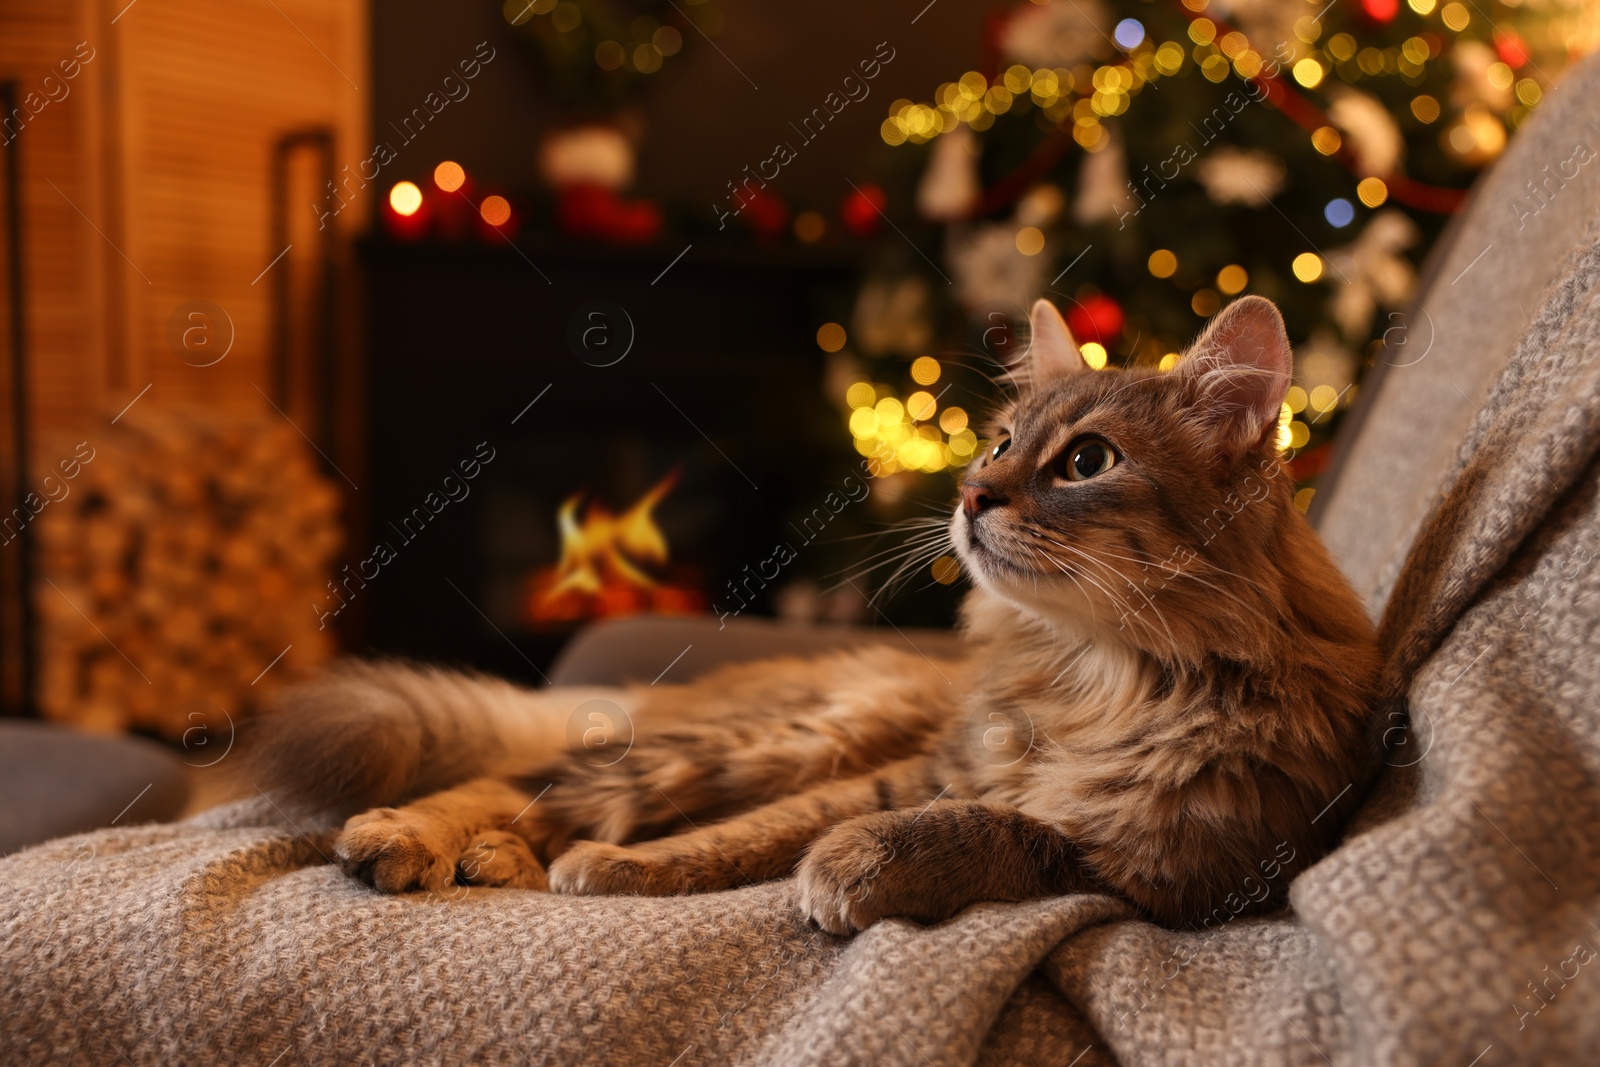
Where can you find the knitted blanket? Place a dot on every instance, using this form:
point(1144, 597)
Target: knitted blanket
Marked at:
point(1456, 925)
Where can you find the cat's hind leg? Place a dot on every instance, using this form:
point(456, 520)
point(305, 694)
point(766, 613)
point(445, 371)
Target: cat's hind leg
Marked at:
point(755, 846)
point(465, 835)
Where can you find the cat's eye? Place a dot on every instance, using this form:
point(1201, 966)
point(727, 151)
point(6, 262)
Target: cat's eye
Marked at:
point(1088, 458)
point(1000, 447)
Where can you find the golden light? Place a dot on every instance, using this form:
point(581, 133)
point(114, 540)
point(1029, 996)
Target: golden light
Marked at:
point(1299, 434)
point(925, 370)
point(1500, 76)
point(496, 210)
point(449, 176)
point(1324, 397)
point(1341, 46)
point(890, 411)
point(1205, 303)
point(668, 41)
point(1030, 241)
point(1425, 107)
point(863, 422)
point(830, 337)
point(1326, 140)
point(1477, 136)
point(1456, 16)
point(1162, 263)
point(945, 570)
point(1302, 499)
point(1423, 7)
point(1202, 31)
point(1094, 354)
point(861, 395)
point(921, 405)
point(809, 226)
point(1168, 361)
point(1307, 267)
point(1295, 398)
point(963, 443)
point(1528, 92)
point(952, 420)
point(1372, 191)
point(1285, 435)
point(1308, 72)
point(405, 198)
point(610, 55)
point(1232, 279)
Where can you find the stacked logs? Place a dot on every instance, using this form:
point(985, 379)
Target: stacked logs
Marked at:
point(176, 566)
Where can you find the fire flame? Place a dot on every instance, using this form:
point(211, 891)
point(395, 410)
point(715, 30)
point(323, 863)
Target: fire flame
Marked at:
point(601, 571)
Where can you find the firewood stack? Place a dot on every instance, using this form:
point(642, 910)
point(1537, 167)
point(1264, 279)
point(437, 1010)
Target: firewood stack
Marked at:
point(184, 559)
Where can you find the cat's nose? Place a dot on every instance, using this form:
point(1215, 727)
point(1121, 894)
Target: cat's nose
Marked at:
point(975, 496)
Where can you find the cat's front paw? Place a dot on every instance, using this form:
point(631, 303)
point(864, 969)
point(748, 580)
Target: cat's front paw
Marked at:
point(594, 868)
point(394, 852)
point(841, 880)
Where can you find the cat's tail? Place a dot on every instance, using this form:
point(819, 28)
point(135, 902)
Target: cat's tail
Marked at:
point(366, 734)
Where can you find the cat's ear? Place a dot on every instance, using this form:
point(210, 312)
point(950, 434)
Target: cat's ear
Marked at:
point(1243, 366)
point(1052, 353)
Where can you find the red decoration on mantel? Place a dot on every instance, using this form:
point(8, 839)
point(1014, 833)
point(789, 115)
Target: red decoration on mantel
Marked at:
point(588, 210)
point(1097, 318)
point(765, 214)
point(862, 210)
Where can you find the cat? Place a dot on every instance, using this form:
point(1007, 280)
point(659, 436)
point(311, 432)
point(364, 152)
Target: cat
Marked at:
point(1166, 695)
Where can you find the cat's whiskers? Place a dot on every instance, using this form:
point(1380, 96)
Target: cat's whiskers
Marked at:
point(1121, 602)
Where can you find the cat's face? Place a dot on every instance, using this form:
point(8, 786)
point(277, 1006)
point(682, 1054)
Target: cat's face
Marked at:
point(1115, 498)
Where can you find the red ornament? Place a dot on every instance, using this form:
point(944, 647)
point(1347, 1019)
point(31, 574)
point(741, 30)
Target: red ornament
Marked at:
point(1097, 318)
point(1381, 10)
point(594, 211)
point(1513, 51)
point(764, 213)
point(862, 210)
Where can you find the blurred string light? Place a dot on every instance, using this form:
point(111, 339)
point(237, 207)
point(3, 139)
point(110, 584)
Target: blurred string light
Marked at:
point(1081, 100)
point(405, 198)
point(496, 210)
point(914, 434)
point(449, 176)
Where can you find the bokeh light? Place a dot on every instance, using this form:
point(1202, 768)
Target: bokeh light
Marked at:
point(405, 198)
point(449, 176)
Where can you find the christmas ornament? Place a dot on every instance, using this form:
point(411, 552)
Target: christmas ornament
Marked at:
point(862, 210)
point(1372, 272)
point(1241, 176)
point(950, 189)
point(1058, 34)
point(1370, 133)
point(1095, 318)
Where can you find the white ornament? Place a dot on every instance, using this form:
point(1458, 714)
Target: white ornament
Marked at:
point(1242, 176)
point(1062, 33)
point(1369, 131)
point(949, 189)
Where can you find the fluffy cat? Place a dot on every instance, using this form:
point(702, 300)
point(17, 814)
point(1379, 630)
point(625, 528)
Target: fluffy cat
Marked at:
point(1167, 697)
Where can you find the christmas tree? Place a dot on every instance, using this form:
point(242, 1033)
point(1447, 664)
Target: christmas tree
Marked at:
point(1144, 161)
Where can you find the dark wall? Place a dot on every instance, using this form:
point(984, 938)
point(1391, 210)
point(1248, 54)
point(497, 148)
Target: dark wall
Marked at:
point(703, 120)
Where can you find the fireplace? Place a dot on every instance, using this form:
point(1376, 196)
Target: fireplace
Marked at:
point(564, 434)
